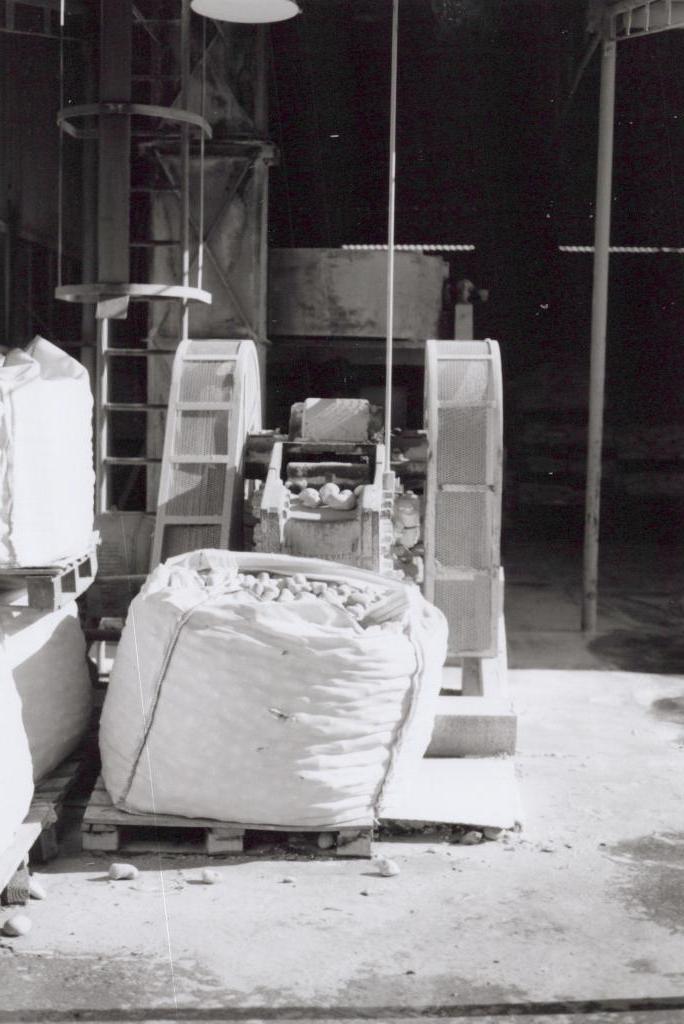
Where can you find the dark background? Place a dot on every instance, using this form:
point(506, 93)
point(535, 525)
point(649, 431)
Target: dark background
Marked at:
point(493, 150)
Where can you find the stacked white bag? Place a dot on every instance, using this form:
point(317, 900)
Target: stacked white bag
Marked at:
point(16, 779)
point(47, 656)
point(46, 459)
point(225, 706)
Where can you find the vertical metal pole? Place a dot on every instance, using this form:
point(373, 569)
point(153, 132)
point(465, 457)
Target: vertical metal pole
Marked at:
point(60, 153)
point(114, 163)
point(260, 173)
point(387, 470)
point(29, 289)
point(200, 229)
point(89, 225)
point(101, 417)
point(185, 165)
point(599, 320)
point(7, 283)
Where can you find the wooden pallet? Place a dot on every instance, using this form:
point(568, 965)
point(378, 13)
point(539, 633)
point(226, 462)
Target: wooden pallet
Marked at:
point(48, 587)
point(51, 793)
point(106, 828)
point(14, 860)
point(36, 839)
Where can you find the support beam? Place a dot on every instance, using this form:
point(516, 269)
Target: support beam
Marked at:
point(89, 225)
point(260, 198)
point(114, 142)
point(185, 163)
point(599, 321)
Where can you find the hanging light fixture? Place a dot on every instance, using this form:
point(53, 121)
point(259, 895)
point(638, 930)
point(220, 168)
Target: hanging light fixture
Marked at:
point(250, 12)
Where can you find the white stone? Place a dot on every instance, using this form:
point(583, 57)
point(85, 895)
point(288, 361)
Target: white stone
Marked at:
point(17, 924)
point(122, 872)
point(210, 876)
point(36, 890)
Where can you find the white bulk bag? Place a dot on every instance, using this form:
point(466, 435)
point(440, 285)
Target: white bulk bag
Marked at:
point(224, 706)
point(46, 652)
point(46, 459)
point(16, 780)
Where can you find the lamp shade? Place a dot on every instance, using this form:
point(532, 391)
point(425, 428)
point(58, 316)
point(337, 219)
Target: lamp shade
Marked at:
point(250, 12)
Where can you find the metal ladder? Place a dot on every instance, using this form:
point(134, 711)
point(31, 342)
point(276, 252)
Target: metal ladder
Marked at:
point(117, 363)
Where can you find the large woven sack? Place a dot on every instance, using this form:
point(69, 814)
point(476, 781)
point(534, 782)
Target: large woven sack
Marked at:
point(46, 653)
point(46, 459)
point(16, 781)
point(221, 705)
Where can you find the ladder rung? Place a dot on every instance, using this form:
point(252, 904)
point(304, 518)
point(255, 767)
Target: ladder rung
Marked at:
point(202, 406)
point(457, 404)
point(121, 460)
point(152, 189)
point(466, 488)
point(190, 520)
point(153, 243)
point(140, 352)
point(214, 358)
point(199, 460)
point(134, 406)
point(462, 358)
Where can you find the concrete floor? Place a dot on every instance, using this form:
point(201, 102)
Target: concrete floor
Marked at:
point(587, 904)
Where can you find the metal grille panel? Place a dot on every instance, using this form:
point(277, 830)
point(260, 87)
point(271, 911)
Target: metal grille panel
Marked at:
point(462, 448)
point(214, 403)
point(468, 383)
point(196, 489)
point(182, 538)
point(463, 529)
point(463, 489)
point(207, 382)
point(204, 431)
point(470, 611)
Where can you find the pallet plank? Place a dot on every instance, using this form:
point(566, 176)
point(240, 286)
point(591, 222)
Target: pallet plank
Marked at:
point(14, 855)
point(17, 890)
point(49, 797)
point(106, 827)
point(50, 587)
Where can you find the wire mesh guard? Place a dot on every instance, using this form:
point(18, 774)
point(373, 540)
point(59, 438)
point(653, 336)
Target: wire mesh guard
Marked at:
point(463, 491)
point(214, 403)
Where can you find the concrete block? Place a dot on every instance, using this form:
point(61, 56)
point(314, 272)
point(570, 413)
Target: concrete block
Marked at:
point(478, 791)
point(473, 727)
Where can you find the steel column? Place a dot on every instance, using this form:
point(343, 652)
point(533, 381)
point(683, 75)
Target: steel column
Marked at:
point(599, 320)
point(114, 142)
point(185, 164)
point(388, 477)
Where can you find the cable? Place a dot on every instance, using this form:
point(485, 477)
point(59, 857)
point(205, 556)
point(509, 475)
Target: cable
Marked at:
point(387, 468)
point(60, 147)
point(152, 790)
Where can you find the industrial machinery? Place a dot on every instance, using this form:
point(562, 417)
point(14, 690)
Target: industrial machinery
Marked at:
point(319, 490)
